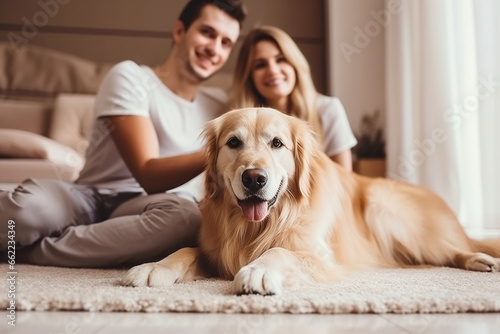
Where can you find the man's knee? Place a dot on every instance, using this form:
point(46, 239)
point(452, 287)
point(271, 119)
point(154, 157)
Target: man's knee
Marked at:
point(25, 211)
point(35, 211)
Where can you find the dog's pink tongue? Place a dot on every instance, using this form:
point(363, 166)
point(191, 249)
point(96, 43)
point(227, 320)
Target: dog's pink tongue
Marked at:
point(254, 210)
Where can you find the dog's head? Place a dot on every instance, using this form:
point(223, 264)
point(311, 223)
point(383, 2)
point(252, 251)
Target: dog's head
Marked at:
point(255, 156)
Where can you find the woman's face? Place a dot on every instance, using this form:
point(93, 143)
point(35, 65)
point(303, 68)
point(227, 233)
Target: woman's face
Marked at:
point(273, 76)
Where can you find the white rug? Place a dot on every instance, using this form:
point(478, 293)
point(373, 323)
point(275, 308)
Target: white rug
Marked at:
point(436, 290)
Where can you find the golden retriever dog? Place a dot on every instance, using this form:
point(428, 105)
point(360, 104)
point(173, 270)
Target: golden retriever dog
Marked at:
point(277, 211)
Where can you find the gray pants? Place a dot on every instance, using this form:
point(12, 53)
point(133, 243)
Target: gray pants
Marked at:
point(64, 224)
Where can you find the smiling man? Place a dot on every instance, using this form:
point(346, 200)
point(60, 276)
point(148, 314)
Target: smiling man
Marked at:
point(136, 198)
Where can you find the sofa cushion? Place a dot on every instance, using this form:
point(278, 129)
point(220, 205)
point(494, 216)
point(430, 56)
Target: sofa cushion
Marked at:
point(23, 144)
point(26, 115)
point(5, 54)
point(72, 120)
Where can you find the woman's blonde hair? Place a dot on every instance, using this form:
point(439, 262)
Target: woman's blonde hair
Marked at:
point(302, 100)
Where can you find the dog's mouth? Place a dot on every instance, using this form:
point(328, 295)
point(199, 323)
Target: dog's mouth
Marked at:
point(255, 209)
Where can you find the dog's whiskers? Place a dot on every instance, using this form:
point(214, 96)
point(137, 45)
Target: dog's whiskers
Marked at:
point(288, 191)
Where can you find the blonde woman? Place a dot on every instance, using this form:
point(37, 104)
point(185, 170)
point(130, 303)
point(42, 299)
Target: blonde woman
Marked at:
point(272, 71)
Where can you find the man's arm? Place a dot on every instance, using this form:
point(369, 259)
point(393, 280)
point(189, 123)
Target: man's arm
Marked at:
point(136, 140)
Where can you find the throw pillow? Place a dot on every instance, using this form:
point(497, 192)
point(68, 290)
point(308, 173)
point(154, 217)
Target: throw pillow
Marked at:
point(23, 144)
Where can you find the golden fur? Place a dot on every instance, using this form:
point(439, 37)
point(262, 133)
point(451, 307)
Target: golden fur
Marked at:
point(324, 219)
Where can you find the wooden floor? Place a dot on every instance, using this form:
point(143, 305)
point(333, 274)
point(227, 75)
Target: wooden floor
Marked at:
point(142, 323)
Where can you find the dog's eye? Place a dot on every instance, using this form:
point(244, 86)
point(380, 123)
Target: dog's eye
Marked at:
point(277, 143)
point(234, 142)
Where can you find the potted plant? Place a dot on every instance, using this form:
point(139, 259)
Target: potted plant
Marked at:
point(369, 153)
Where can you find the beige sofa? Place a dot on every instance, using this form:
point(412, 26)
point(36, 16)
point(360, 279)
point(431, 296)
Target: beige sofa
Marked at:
point(44, 139)
point(46, 111)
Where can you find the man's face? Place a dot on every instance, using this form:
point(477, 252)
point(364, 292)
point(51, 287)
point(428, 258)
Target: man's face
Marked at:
point(207, 44)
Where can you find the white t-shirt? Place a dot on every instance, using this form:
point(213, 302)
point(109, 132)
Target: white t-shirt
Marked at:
point(130, 89)
point(337, 133)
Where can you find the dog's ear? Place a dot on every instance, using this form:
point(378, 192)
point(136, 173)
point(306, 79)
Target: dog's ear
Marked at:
point(211, 133)
point(304, 151)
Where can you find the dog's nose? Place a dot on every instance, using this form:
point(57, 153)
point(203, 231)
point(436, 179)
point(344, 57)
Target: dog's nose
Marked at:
point(254, 179)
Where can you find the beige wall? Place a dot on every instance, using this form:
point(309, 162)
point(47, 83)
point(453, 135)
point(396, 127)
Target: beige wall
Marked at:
point(357, 56)
point(113, 30)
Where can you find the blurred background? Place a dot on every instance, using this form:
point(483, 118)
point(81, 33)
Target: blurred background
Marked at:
point(114, 30)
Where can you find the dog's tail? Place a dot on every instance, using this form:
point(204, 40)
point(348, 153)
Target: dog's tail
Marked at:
point(487, 246)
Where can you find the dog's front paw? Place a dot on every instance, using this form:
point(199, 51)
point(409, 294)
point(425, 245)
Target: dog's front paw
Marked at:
point(149, 274)
point(258, 280)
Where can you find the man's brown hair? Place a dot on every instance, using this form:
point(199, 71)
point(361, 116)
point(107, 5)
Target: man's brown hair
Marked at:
point(234, 8)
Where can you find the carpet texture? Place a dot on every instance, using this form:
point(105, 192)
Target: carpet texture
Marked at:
point(434, 290)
